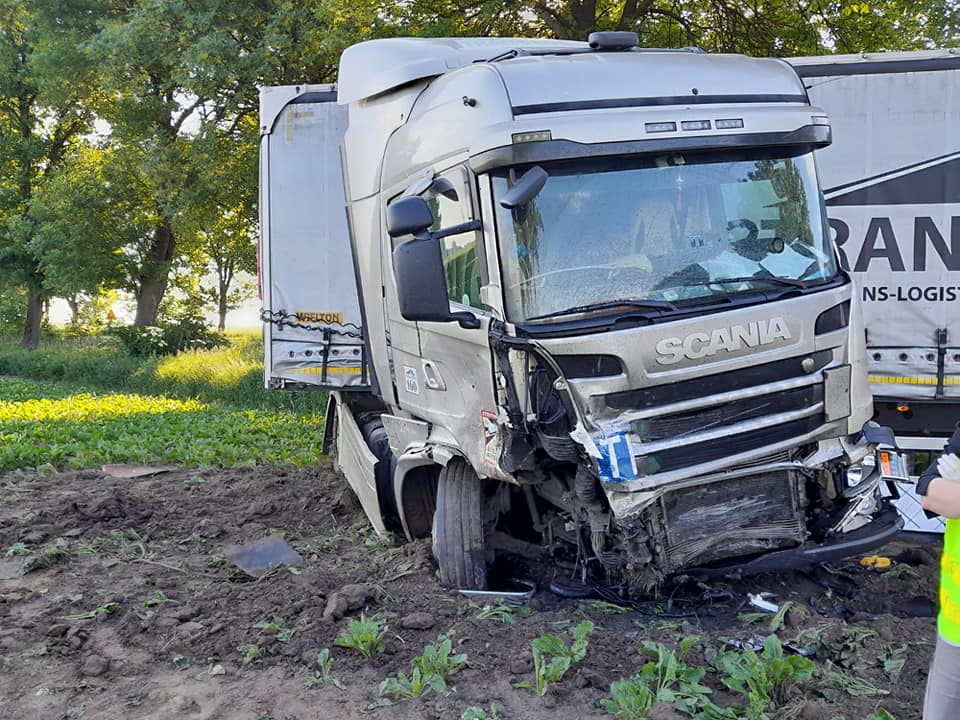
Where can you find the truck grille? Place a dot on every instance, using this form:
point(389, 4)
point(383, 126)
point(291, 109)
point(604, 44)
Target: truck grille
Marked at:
point(777, 401)
point(700, 387)
point(671, 426)
point(696, 453)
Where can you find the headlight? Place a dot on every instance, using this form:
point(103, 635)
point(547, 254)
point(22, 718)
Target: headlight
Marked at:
point(858, 472)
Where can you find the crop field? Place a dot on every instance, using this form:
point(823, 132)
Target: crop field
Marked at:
point(119, 597)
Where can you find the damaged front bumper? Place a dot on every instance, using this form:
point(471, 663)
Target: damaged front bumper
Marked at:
point(881, 530)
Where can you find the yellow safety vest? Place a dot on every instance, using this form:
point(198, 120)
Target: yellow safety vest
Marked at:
point(948, 621)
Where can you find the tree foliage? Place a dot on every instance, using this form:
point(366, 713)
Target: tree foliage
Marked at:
point(161, 189)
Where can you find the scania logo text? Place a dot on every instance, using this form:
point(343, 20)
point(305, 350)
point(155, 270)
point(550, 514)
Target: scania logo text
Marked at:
point(730, 339)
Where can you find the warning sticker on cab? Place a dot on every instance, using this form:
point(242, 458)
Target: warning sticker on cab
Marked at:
point(616, 463)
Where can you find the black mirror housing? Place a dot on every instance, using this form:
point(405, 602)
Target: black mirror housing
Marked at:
point(408, 216)
point(525, 188)
point(421, 283)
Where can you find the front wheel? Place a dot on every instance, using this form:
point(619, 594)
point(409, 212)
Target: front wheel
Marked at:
point(458, 528)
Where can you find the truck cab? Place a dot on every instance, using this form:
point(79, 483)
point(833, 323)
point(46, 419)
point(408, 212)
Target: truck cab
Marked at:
point(603, 322)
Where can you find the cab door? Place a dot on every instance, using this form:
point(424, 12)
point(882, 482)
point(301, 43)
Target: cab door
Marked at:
point(450, 383)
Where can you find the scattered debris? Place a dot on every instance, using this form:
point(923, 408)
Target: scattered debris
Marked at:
point(132, 472)
point(256, 559)
point(516, 591)
point(877, 562)
point(759, 601)
point(754, 643)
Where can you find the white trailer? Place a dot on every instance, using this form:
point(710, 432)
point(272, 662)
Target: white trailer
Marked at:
point(892, 184)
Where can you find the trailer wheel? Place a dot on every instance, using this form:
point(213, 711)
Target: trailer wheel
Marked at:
point(458, 528)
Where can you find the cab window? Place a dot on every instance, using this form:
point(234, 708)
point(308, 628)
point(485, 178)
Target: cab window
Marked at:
point(449, 202)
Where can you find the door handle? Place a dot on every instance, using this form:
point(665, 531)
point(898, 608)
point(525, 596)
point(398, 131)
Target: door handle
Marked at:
point(431, 376)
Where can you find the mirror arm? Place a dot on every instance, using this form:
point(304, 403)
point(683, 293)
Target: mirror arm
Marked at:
point(466, 320)
point(472, 225)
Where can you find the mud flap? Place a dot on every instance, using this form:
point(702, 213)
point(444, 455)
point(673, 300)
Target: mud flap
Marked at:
point(358, 465)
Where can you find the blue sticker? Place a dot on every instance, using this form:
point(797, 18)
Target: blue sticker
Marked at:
point(616, 463)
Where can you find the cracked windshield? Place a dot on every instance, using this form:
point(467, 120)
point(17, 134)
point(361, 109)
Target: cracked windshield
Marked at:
point(662, 229)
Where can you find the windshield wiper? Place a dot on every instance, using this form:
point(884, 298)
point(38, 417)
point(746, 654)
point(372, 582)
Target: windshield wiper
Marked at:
point(771, 280)
point(641, 304)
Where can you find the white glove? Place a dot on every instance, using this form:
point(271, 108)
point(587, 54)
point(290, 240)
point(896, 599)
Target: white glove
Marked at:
point(949, 467)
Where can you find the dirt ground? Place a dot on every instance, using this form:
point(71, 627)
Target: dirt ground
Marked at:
point(157, 546)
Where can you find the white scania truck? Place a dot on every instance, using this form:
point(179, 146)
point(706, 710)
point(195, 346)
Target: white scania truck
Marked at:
point(575, 303)
point(892, 183)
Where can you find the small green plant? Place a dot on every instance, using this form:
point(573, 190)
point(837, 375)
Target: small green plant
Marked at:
point(664, 678)
point(603, 607)
point(250, 653)
point(881, 714)
point(277, 627)
point(412, 687)
point(552, 658)
point(430, 671)
point(761, 679)
point(158, 598)
point(17, 549)
point(107, 609)
point(55, 552)
point(501, 611)
point(475, 713)
point(835, 681)
point(439, 659)
point(899, 570)
point(364, 635)
point(323, 675)
point(777, 621)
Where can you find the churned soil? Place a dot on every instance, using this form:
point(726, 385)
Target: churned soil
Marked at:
point(125, 605)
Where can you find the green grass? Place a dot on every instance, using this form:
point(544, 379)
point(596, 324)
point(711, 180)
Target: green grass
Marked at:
point(68, 426)
point(80, 402)
point(231, 376)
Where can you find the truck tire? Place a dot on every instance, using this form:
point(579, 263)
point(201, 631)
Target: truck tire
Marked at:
point(386, 467)
point(458, 534)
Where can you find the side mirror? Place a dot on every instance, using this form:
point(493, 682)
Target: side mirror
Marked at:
point(421, 282)
point(408, 216)
point(525, 188)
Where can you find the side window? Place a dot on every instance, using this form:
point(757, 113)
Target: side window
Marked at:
point(450, 204)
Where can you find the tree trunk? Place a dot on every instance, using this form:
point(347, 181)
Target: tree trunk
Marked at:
point(154, 275)
point(224, 278)
point(74, 303)
point(31, 331)
point(222, 313)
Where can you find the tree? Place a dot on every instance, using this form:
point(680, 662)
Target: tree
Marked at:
point(85, 224)
point(224, 211)
point(41, 115)
point(180, 70)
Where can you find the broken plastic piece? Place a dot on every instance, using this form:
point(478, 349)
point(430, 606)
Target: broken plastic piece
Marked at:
point(759, 601)
point(754, 643)
point(876, 561)
point(259, 558)
point(516, 592)
point(132, 472)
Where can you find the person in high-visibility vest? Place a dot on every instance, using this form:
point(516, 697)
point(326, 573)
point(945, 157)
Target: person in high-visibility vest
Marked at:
point(939, 490)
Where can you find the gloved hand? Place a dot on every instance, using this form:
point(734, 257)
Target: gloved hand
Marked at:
point(949, 467)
